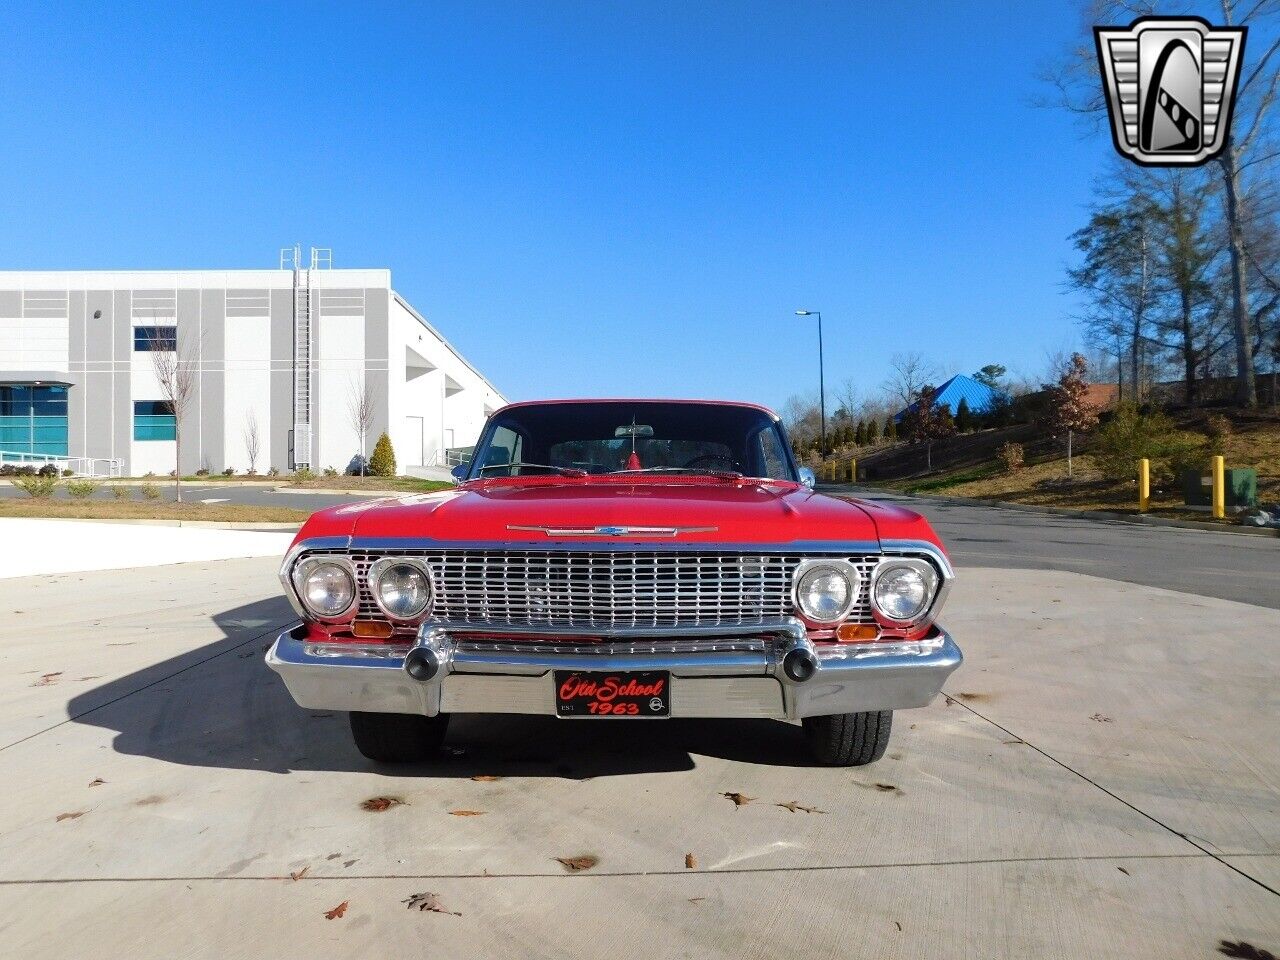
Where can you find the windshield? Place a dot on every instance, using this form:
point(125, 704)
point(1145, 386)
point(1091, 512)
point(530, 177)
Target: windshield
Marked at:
point(623, 437)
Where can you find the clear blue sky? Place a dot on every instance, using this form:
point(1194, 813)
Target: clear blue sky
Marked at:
point(587, 198)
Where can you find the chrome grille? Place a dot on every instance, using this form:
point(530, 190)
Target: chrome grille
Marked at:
point(609, 588)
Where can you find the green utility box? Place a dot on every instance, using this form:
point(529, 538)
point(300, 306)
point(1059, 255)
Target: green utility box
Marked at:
point(1241, 484)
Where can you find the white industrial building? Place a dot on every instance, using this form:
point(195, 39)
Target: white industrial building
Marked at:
point(292, 351)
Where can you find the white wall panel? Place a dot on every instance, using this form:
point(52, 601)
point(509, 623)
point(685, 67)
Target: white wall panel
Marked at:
point(340, 373)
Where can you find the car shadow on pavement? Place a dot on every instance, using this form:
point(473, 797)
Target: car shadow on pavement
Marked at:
point(219, 706)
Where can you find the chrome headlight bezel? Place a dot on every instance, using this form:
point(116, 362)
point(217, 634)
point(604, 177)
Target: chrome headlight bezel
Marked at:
point(380, 566)
point(928, 574)
point(306, 566)
point(843, 568)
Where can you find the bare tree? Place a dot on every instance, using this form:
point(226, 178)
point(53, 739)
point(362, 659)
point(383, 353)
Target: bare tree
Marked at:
point(910, 372)
point(252, 440)
point(360, 409)
point(177, 371)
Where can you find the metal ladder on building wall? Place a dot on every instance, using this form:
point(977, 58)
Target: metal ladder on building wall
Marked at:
point(305, 306)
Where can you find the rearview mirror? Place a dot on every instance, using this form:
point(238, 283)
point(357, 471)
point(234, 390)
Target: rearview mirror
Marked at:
point(634, 430)
point(459, 473)
point(807, 477)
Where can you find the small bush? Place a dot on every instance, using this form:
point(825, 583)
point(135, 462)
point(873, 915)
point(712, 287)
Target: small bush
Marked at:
point(68, 473)
point(251, 472)
point(1012, 456)
point(383, 461)
point(148, 475)
point(202, 472)
point(119, 490)
point(302, 475)
point(273, 472)
point(82, 489)
point(1217, 429)
point(48, 470)
point(229, 472)
point(150, 491)
point(1131, 435)
point(40, 486)
point(330, 472)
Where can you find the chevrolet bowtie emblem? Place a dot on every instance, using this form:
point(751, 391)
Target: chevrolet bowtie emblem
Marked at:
point(612, 531)
point(1170, 84)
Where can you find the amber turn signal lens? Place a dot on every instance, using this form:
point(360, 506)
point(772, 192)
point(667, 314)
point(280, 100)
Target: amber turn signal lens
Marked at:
point(371, 629)
point(857, 632)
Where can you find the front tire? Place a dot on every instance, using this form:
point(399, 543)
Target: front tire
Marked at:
point(849, 739)
point(398, 737)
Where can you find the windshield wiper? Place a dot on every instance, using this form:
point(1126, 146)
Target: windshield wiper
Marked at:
point(693, 471)
point(563, 471)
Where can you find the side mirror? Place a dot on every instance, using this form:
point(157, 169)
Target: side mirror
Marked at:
point(459, 473)
point(807, 477)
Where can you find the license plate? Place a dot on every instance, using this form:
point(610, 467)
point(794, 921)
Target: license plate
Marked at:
point(625, 693)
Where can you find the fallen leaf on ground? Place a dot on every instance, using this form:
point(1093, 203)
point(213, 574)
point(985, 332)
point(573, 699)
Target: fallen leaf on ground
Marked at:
point(1100, 718)
point(299, 874)
point(466, 813)
point(795, 805)
point(337, 911)
point(574, 864)
point(696, 899)
point(885, 787)
point(428, 902)
point(739, 799)
point(96, 782)
point(47, 678)
point(1244, 951)
point(898, 925)
point(690, 862)
point(378, 804)
point(1123, 870)
point(485, 778)
point(348, 863)
point(69, 816)
point(333, 856)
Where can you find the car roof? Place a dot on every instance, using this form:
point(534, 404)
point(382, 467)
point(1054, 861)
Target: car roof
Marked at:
point(709, 403)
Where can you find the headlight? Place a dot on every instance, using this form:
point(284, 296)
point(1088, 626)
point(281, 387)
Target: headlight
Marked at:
point(825, 590)
point(325, 586)
point(400, 586)
point(901, 590)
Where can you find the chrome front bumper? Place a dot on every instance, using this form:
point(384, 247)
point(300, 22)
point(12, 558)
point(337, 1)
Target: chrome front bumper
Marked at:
point(715, 671)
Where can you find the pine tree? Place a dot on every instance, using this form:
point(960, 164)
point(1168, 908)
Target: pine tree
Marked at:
point(964, 417)
point(860, 434)
point(890, 431)
point(383, 461)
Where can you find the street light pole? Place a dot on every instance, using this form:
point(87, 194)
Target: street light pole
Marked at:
point(822, 386)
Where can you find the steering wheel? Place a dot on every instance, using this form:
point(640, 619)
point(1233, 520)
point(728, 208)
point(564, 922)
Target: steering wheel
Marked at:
point(710, 460)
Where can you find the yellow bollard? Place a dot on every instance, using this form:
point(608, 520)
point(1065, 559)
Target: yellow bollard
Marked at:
point(1219, 488)
point(853, 469)
point(1144, 485)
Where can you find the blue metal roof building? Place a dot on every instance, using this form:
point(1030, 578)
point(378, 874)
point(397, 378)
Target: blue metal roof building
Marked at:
point(978, 395)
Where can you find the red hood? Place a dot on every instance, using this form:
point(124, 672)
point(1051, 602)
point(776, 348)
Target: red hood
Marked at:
point(746, 513)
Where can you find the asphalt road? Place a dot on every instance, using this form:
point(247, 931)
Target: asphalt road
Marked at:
point(1223, 565)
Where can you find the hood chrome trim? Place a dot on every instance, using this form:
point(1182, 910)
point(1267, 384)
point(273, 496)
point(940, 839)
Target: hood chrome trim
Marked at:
point(611, 530)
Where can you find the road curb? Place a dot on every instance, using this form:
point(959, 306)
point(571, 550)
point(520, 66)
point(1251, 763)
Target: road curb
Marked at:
point(1097, 515)
point(147, 522)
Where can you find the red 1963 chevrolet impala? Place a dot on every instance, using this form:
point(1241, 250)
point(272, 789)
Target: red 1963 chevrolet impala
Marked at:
point(608, 559)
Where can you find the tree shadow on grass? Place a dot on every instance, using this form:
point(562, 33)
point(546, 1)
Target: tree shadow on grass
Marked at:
point(220, 706)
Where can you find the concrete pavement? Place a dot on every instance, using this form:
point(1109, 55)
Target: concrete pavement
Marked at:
point(1100, 782)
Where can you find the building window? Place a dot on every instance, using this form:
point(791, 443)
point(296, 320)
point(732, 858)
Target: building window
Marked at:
point(154, 420)
point(155, 338)
point(33, 419)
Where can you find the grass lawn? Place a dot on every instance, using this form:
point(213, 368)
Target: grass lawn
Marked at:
point(397, 484)
point(147, 510)
point(1255, 443)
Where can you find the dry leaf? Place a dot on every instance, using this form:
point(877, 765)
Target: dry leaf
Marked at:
point(378, 804)
point(337, 911)
point(885, 787)
point(739, 799)
point(1100, 718)
point(428, 902)
point(96, 782)
point(333, 856)
point(299, 874)
point(696, 899)
point(47, 679)
point(795, 805)
point(1123, 870)
point(574, 864)
point(690, 862)
point(69, 816)
point(485, 778)
point(466, 813)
